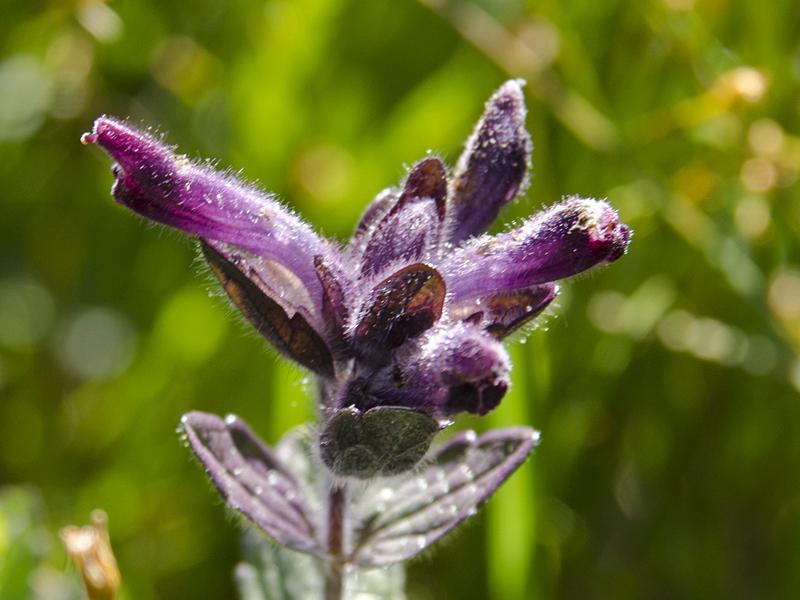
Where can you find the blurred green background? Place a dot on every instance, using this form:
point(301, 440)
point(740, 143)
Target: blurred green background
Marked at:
point(666, 388)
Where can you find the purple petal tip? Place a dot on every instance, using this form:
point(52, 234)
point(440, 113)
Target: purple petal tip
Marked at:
point(607, 235)
point(509, 97)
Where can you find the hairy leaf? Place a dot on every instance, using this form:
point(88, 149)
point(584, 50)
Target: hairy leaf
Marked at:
point(405, 518)
point(252, 479)
point(270, 572)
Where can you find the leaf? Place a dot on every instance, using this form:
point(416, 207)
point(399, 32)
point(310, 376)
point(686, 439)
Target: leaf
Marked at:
point(293, 336)
point(407, 517)
point(270, 572)
point(252, 479)
point(385, 440)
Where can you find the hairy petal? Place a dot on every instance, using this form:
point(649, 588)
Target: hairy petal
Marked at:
point(165, 187)
point(411, 227)
point(568, 238)
point(494, 166)
point(427, 179)
point(457, 368)
point(402, 236)
point(375, 211)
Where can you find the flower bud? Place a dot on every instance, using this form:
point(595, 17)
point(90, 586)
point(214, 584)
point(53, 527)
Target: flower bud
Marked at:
point(494, 166)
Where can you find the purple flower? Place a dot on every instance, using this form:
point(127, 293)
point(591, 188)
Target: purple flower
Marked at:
point(403, 325)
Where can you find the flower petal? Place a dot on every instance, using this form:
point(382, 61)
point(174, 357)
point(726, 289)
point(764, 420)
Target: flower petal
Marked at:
point(427, 179)
point(411, 226)
point(471, 368)
point(494, 165)
point(568, 238)
point(292, 336)
point(455, 368)
point(375, 211)
point(165, 187)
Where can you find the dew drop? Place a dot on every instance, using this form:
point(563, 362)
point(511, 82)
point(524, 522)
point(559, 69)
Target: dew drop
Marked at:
point(421, 541)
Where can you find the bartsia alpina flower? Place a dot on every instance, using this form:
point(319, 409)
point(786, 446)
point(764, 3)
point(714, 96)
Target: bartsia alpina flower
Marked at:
point(403, 325)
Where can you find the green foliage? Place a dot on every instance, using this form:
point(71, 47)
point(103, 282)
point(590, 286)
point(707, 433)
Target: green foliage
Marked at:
point(666, 389)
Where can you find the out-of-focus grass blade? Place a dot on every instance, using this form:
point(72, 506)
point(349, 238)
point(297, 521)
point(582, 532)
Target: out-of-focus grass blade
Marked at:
point(511, 516)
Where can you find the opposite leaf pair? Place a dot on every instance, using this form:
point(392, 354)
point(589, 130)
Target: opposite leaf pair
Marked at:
point(393, 520)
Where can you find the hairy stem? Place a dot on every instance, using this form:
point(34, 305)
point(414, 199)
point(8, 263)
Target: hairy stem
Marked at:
point(337, 503)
